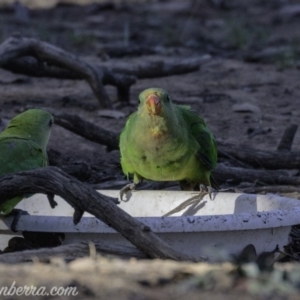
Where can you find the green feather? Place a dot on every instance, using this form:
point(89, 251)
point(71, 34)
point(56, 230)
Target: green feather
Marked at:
point(23, 147)
point(173, 145)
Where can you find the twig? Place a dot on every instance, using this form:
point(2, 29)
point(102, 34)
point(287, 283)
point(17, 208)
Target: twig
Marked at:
point(70, 252)
point(288, 138)
point(36, 58)
point(51, 180)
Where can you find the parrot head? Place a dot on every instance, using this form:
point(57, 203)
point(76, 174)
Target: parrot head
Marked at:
point(154, 101)
point(33, 124)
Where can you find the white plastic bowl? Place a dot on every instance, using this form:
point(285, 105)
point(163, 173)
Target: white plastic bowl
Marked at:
point(225, 224)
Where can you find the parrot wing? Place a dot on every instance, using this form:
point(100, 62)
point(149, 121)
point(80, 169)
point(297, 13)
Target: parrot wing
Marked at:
point(125, 149)
point(17, 154)
point(207, 152)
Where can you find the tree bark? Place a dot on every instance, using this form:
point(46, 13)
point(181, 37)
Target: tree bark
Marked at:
point(280, 177)
point(51, 180)
point(36, 58)
point(261, 158)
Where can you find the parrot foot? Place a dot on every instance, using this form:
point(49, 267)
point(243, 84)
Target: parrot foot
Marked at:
point(126, 188)
point(206, 189)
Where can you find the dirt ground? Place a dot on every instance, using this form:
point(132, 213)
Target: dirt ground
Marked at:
point(247, 90)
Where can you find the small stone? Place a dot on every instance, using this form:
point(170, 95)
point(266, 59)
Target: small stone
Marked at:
point(246, 107)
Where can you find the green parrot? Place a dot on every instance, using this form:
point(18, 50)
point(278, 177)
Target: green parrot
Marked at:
point(163, 141)
point(23, 146)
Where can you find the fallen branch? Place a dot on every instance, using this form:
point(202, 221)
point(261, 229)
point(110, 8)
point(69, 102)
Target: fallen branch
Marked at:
point(237, 175)
point(271, 54)
point(261, 158)
point(258, 158)
point(266, 159)
point(282, 189)
point(87, 129)
point(79, 169)
point(70, 252)
point(244, 156)
point(235, 161)
point(160, 68)
point(120, 50)
point(82, 197)
point(36, 58)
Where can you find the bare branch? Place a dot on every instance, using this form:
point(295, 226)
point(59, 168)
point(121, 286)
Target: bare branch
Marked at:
point(82, 197)
point(251, 157)
point(36, 58)
point(280, 177)
point(272, 189)
point(160, 68)
point(87, 129)
point(261, 158)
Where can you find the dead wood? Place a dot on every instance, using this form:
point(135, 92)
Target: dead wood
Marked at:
point(288, 138)
point(82, 198)
point(282, 189)
point(36, 58)
point(160, 68)
point(257, 158)
point(70, 252)
point(243, 155)
point(234, 161)
point(77, 168)
point(261, 158)
point(120, 50)
point(265, 159)
point(80, 170)
point(237, 175)
point(87, 129)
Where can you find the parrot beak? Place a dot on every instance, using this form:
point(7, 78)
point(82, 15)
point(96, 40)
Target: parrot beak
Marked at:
point(153, 105)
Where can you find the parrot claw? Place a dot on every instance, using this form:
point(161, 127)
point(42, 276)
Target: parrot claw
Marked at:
point(207, 190)
point(195, 200)
point(126, 188)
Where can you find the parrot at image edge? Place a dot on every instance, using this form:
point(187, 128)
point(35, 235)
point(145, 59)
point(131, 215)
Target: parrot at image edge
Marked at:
point(23, 147)
point(163, 141)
